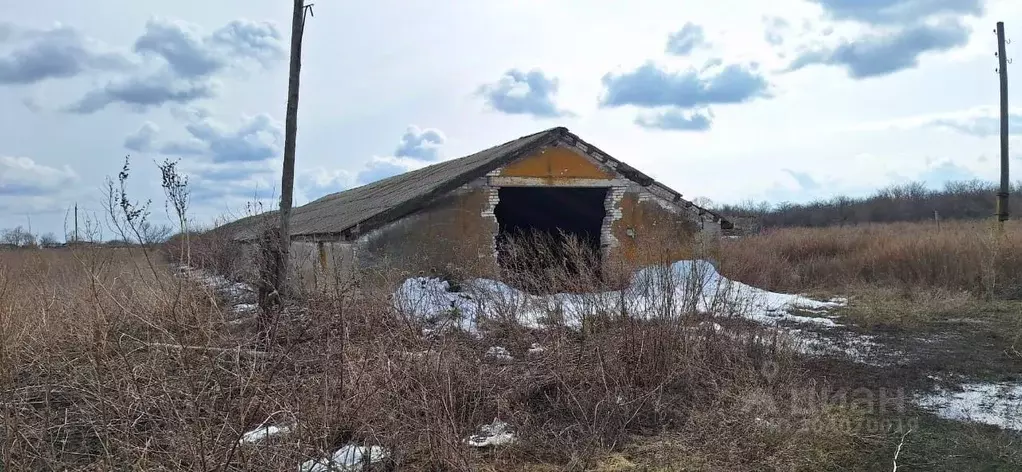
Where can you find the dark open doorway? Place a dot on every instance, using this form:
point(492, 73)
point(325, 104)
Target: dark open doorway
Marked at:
point(546, 218)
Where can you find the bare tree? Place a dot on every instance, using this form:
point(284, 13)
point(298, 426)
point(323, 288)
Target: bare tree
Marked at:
point(703, 202)
point(18, 236)
point(175, 186)
point(49, 240)
point(126, 217)
point(152, 233)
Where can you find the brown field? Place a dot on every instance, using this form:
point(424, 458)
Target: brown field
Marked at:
point(957, 256)
point(111, 361)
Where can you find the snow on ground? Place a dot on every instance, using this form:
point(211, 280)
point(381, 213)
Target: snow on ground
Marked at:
point(243, 308)
point(861, 348)
point(998, 404)
point(351, 457)
point(240, 294)
point(497, 433)
point(655, 292)
point(499, 353)
point(262, 433)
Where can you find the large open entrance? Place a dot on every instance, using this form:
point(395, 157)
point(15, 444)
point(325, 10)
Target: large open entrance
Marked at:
point(549, 230)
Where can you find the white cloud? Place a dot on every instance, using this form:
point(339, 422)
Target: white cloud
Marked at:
point(255, 139)
point(520, 92)
point(27, 186)
point(980, 121)
point(59, 52)
point(422, 144)
point(381, 167)
point(188, 70)
point(190, 54)
point(22, 176)
point(142, 140)
point(318, 182)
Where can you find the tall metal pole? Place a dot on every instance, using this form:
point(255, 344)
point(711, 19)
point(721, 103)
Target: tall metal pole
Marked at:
point(290, 136)
point(1002, 72)
point(76, 222)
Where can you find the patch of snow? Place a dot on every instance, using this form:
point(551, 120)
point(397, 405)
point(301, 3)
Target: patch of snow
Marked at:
point(656, 292)
point(211, 280)
point(497, 433)
point(263, 432)
point(238, 289)
point(706, 326)
point(998, 404)
point(861, 348)
point(348, 458)
point(244, 308)
point(242, 321)
point(234, 291)
point(714, 326)
point(536, 349)
point(431, 300)
point(499, 353)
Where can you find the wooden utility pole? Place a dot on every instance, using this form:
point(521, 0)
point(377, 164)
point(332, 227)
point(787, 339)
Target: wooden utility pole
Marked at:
point(1002, 71)
point(76, 222)
point(280, 269)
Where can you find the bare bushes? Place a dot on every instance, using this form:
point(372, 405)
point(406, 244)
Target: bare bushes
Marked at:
point(89, 376)
point(540, 262)
point(427, 383)
point(569, 396)
point(213, 250)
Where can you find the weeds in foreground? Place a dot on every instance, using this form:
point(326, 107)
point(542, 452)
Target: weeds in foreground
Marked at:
point(103, 366)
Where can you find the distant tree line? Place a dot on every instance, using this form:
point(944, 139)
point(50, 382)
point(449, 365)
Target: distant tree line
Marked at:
point(913, 201)
point(19, 237)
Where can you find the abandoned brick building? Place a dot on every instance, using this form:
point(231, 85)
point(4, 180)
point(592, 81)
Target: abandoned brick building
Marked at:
point(455, 212)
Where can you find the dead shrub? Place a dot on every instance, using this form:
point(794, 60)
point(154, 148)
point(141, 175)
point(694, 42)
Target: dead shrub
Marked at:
point(209, 249)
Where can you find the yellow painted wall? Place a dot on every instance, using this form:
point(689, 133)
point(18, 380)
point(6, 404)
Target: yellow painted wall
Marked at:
point(657, 234)
point(554, 163)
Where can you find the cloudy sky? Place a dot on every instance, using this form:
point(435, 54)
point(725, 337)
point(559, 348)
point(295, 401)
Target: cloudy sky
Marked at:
point(732, 100)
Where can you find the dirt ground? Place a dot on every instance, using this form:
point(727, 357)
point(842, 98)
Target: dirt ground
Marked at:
point(898, 362)
point(886, 367)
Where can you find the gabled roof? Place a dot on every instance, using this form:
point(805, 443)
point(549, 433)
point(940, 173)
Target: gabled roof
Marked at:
point(386, 200)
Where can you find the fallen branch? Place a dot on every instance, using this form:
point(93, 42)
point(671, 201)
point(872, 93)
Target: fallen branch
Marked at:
point(898, 451)
point(221, 350)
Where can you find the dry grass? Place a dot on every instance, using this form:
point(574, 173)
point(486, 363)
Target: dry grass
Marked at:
point(912, 258)
point(86, 382)
point(80, 382)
